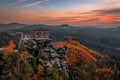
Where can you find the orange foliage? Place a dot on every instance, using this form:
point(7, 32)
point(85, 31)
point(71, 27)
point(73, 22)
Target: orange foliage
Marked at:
point(35, 77)
point(7, 50)
point(40, 69)
point(108, 71)
point(77, 52)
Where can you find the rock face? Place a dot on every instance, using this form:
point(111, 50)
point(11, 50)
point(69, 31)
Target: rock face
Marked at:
point(48, 55)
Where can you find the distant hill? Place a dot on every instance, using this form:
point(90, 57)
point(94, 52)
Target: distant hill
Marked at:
point(11, 26)
point(65, 25)
point(118, 26)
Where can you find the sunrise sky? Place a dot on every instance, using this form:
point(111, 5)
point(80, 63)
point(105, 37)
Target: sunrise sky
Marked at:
point(73, 12)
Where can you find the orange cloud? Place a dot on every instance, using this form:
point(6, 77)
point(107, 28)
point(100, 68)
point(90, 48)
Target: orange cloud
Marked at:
point(94, 17)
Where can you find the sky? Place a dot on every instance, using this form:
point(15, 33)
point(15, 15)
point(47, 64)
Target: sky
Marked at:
point(73, 12)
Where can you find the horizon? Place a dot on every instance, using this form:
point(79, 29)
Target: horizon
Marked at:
point(56, 12)
point(81, 26)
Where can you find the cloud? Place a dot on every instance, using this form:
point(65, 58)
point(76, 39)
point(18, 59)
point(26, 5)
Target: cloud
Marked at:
point(35, 3)
point(103, 16)
point(90, 20)
point(107, 11)
point(17, 2)
point(96, 16)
